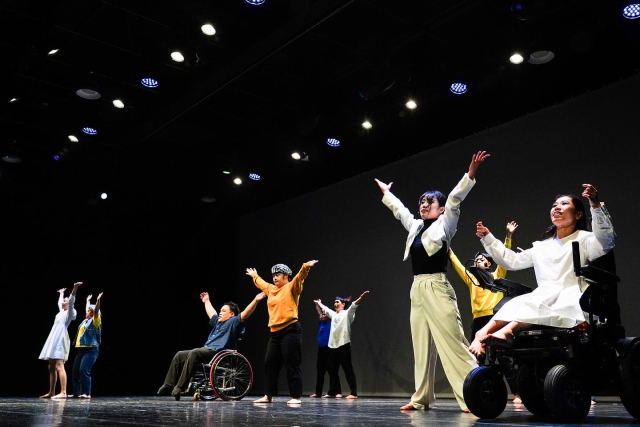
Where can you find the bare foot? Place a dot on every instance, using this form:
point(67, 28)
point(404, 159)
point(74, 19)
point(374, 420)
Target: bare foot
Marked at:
point(265, 399)
point(314, 395)
point(516, 399)
point(498, 338)
point(466, 411)
point(477, 348)
point(338, 396)
point(60, 396)
point(408, 407)
point(45, 396)
point(328, 396)
point(351, 396)
point(294, 402)
point(85, 396)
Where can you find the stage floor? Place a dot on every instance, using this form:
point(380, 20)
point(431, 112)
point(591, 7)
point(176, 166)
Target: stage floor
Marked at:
point(161, 411)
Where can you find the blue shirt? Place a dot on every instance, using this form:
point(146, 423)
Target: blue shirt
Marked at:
point(224, 334)
point(323, 334)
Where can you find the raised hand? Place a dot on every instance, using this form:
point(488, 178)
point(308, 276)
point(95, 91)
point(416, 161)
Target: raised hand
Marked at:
point(364, 294)
point(591, 193)
point(383, 187)
point(476, 159)
point(260, 296)
point(99, 296)
point(511, 227)
point(204, 297)
point(481, 230)
point(317, 301)
point(312, 263)
point(89, 297)
point(252, 272)
point(61, 290)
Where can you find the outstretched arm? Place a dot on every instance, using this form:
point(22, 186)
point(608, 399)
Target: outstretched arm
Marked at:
point(511, 227)
point(252, 306)
point(75, 288)
point(60, 297)
point(257, 280)
point(476, 159)
point(204, 297)
point(318, 309)
point(604, 236)
point(97, 310)
point(326, 310)
point(362, 297)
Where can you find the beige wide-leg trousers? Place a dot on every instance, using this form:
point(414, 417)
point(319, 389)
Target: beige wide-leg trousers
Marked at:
point(436, 329)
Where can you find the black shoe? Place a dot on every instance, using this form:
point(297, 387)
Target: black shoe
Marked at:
point(177, 391)
point(165, 390)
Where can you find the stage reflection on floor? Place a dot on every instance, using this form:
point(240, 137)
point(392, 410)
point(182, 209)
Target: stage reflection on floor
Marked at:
point(155, 411)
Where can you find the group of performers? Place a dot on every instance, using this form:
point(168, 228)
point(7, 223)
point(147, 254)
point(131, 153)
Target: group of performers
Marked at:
point(436, 327)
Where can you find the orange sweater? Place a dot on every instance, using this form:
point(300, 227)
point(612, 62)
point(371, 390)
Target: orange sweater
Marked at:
point(282, 302)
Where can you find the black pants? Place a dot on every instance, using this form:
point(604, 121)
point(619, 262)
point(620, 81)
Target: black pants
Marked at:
point(183, 365)
point(341, 356)
point(284, 347)
point(322, 366)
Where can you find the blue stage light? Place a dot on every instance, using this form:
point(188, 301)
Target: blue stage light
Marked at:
point(332, 142)
point(632, 11)
point(56, 157)
point(90, 131)
point(254, 176)
point(147, 82)
point(458, 88)
point(255, 2)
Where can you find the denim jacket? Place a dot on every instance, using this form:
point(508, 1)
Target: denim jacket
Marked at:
point(91, 337)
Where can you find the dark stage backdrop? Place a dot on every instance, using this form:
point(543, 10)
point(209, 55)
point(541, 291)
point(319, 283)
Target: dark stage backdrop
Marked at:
point(152, 258)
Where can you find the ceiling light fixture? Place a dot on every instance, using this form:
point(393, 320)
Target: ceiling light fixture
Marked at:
point(296, 156)
point(208, 199)
point(254, 176)
point(237, 181)
point(208, 29)
point(118, 104)
point(541, 57)
point(255, 2)
point(88, 94)
point(226, 172)
point(632, 11)
point(104, 196)
point(177, 56)
point(90, 131)
point(56, 157)
point(516, 58)
point(367, 125)
point(148, 82)
point(332, 142)
point(52, 52)
point(458, 88)
point(72, 138)
point(12, 159)
point(411, 105)
point(13, 100)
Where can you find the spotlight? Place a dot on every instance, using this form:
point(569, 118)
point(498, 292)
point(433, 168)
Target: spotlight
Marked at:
point(118, 104)
point(56, 157)
point(90, 131)
point(103, 196)
point(13, 100)
point(52, 52)
point(254, 176)
point(296, 156)
point(208, 29)
point(516, 58)
point(237, 181)
point(148, 82)
point(411, 105)
point(255, 2)
point(177, 56)
point(540, 57)
point(367, 125)
point(72, 138)
point(332, 142)
point(632, 11)
point(88, 94)
point(11, 159)
point(226, 172)
point(458, 88)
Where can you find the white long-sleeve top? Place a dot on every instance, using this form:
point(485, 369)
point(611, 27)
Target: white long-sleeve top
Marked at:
point(340, 325)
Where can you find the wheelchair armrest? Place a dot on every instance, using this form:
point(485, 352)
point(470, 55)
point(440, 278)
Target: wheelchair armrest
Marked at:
point(597, 275)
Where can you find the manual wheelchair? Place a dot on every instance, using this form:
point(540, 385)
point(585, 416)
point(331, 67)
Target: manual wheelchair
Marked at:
point(557, 370)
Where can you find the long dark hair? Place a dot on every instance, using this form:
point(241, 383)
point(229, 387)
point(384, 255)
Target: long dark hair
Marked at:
point(435, 194)
point(582, 222)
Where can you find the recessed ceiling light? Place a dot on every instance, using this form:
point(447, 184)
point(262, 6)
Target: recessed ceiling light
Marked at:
point(12, 159)
point(118, 104)
point(237, 181)
point(88, 94)
point(516, 58)
point(411, 105)
point(90, 131)
point(208, 29)
point(255, 2)
point(104, 196)
point(254, 176)
point(367, 125)
point(296, 156)
point(148, 82)
point(458, 88)
point(177, 56)
point(332, 142)
point(208, 199)
point(72, 138)
point(52, 52)
point(632, 11)
point(12, 100)
point(226, 172)
point(541, 57)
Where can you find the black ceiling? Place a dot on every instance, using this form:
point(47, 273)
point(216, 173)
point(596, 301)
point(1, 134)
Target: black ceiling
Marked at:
point(278, 77)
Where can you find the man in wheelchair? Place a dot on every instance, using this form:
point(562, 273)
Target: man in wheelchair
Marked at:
point(227, 327)
point(543, 339)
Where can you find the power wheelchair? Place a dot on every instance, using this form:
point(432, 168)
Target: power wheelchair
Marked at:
point(557, 370)
point(227, 376)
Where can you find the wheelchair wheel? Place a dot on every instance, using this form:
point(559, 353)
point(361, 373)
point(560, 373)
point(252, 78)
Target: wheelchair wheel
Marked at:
point(566, 394)
point(630, 378)
point(484, 392)
point(531, 388)
point(231, 375)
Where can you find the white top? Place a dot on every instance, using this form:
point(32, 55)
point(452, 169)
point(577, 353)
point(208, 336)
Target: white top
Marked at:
point(556, 300)
point(340, 325)
point(443, 229)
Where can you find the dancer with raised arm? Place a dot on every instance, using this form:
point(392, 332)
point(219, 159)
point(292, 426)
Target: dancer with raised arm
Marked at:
point(87, 341)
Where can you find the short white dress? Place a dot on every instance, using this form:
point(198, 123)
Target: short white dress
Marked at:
point(58, 342)
point(556, 300)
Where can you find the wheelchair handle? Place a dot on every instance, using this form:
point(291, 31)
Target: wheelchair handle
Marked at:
point(575, 246)
point(590, 272)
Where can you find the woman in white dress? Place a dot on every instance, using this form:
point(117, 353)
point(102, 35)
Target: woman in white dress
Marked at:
point(556, 300)
point(56, 349)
